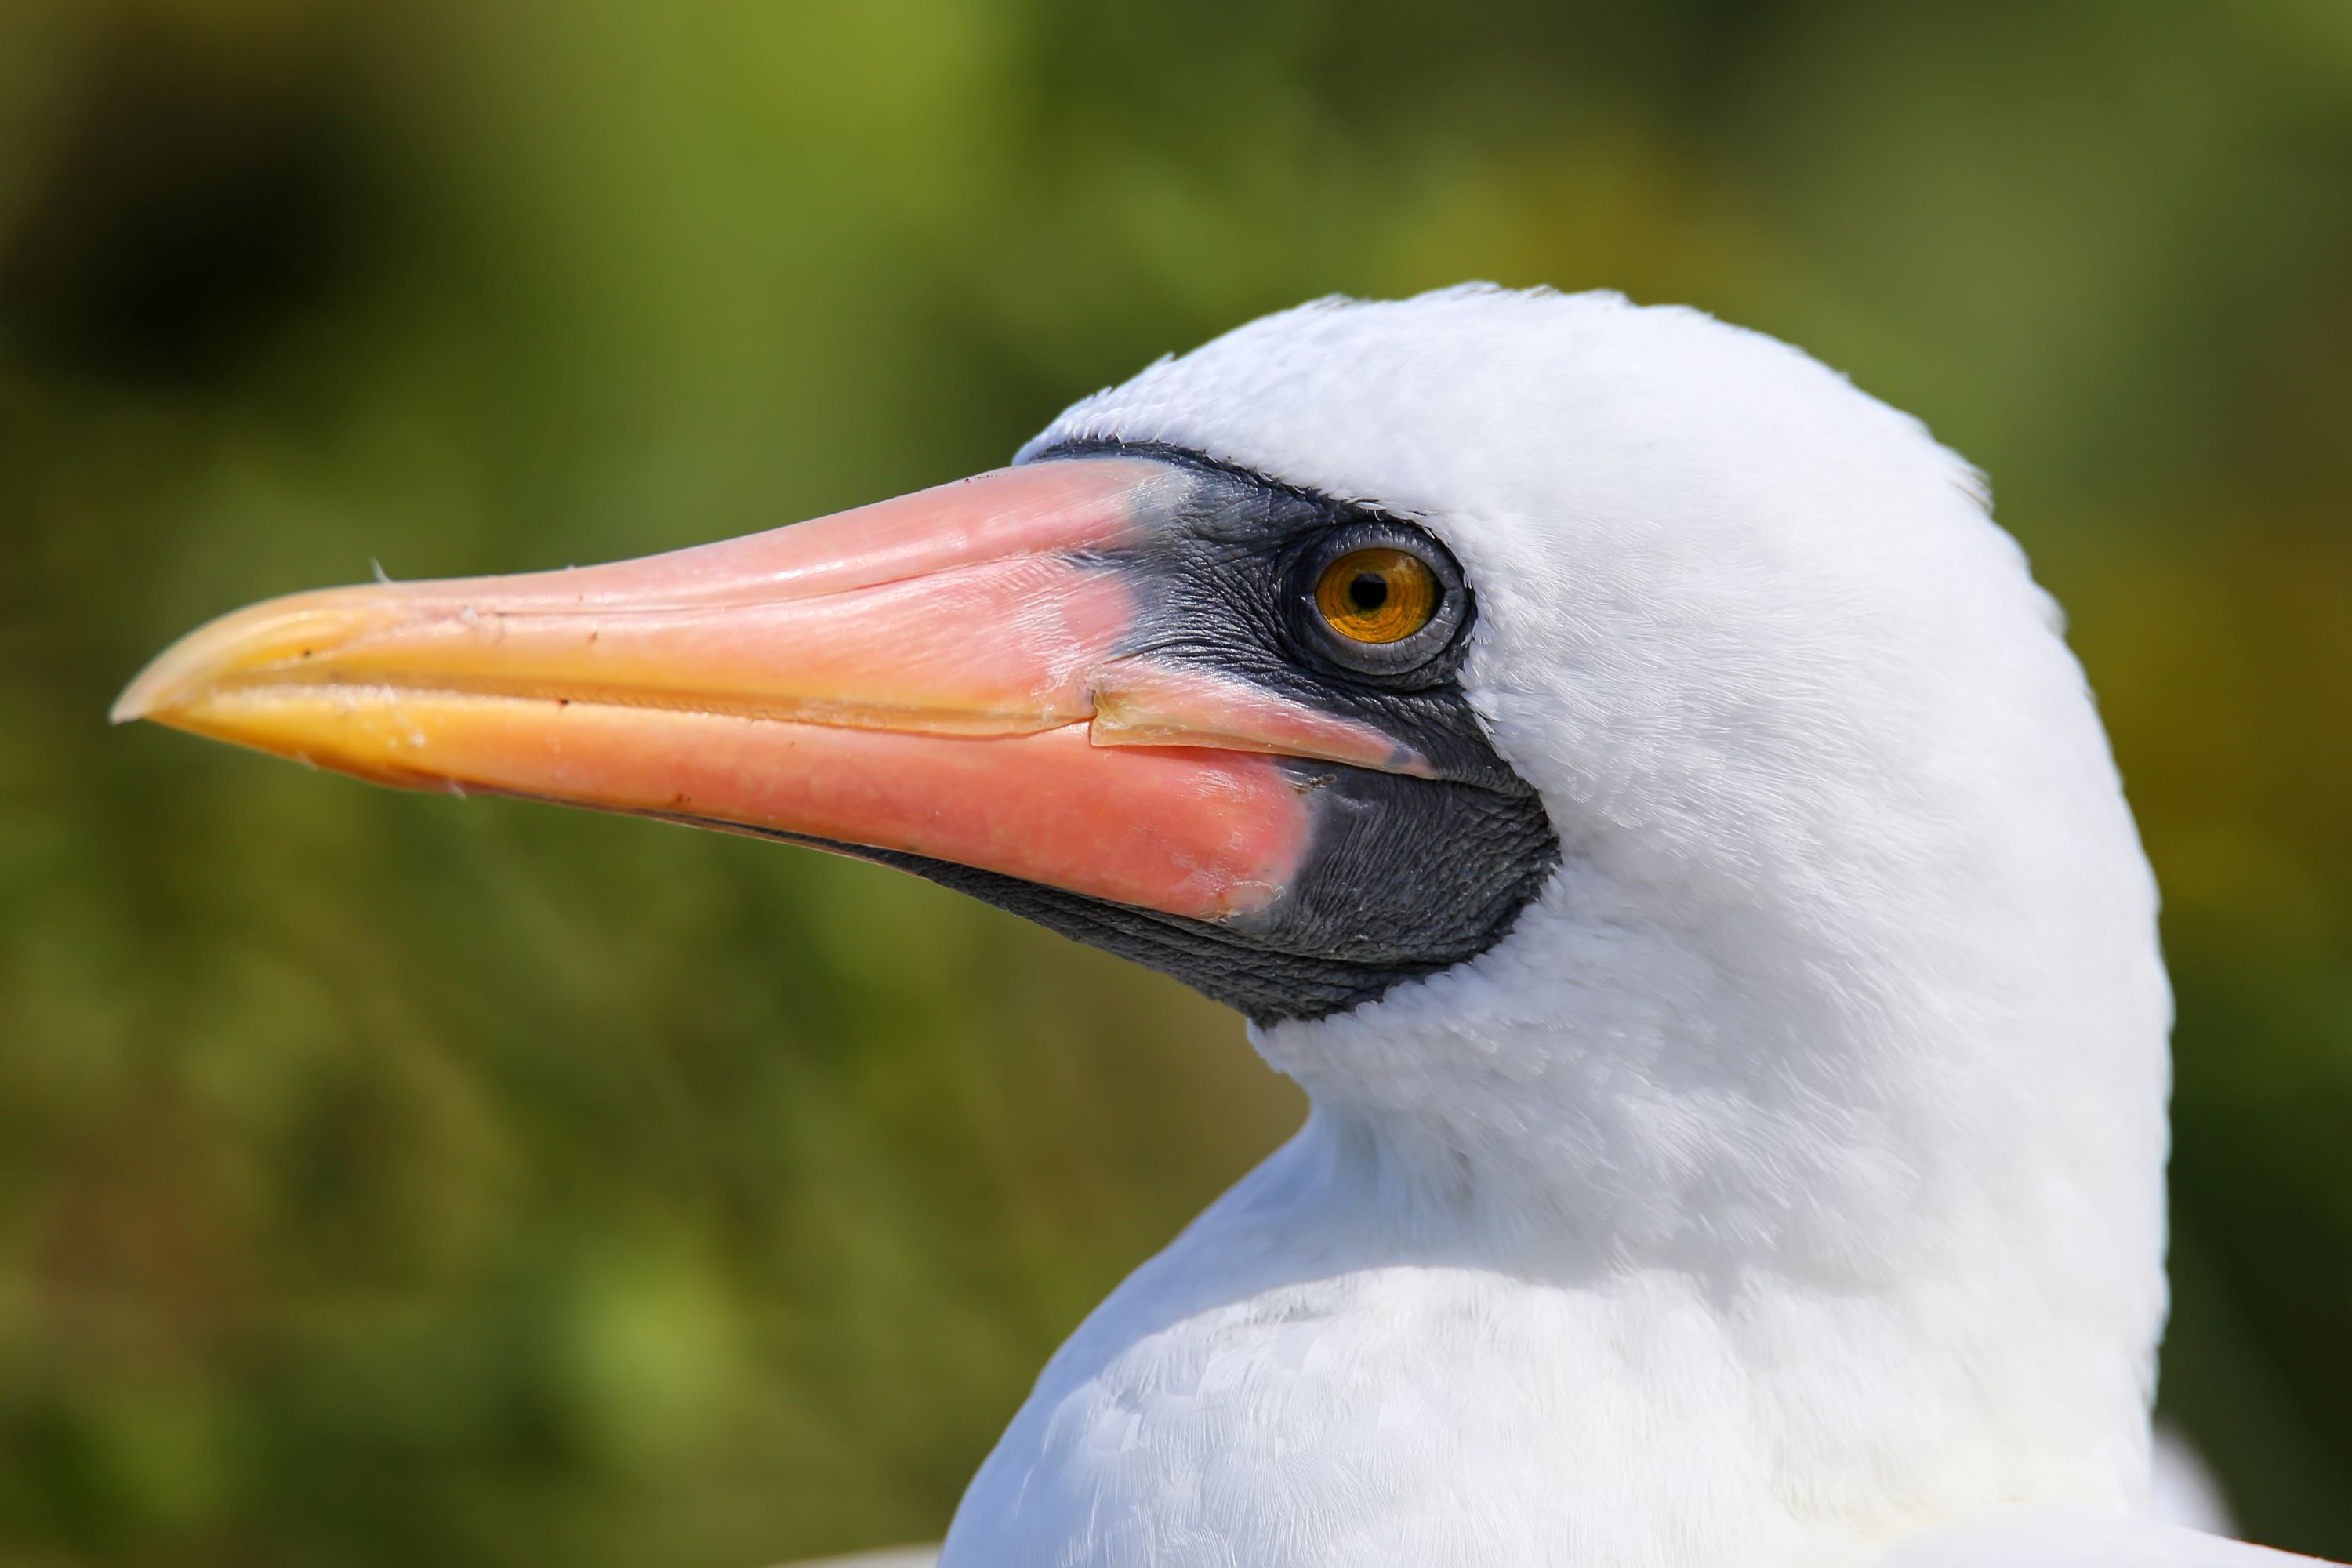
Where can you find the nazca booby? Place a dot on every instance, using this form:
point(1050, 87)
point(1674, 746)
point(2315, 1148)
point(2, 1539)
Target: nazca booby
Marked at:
point(1628, 779)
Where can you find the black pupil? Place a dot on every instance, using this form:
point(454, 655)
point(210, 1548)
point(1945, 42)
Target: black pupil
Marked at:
point(1370, 590)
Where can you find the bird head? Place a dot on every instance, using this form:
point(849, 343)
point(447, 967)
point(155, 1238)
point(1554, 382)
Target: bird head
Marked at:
point(1601, 730)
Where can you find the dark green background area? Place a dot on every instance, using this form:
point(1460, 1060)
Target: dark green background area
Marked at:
point(389, 1180)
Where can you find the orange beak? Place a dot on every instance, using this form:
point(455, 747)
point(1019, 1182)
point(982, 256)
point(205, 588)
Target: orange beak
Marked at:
point(944, 675)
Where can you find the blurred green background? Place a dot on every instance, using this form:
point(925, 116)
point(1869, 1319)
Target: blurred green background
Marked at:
point(390, 1180)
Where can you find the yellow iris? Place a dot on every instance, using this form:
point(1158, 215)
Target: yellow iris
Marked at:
point(1377, 596)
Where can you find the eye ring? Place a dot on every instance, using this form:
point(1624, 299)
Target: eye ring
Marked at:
point(1381, 598)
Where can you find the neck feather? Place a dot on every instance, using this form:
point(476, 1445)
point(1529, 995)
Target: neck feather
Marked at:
point(1932, 1120)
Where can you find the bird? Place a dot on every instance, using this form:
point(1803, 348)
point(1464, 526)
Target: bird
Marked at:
point(1620, 770)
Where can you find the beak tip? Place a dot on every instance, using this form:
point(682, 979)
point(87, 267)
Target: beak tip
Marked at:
point(137, 701)
point(158, 687)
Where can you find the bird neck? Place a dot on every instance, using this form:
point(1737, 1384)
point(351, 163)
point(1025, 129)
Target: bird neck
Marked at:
point(1907, 1165)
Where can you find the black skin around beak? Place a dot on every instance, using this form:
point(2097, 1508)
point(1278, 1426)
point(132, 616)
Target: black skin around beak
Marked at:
point(1405, 875)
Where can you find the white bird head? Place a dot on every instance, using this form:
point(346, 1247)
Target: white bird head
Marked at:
point(1849, 905)
point(1692, 851)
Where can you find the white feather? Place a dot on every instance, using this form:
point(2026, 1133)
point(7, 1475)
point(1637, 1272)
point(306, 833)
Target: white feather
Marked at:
point(1788, 1183)
point(2072, 1537)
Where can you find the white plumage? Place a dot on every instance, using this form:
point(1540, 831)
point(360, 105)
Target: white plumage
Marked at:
point(1787, 1187)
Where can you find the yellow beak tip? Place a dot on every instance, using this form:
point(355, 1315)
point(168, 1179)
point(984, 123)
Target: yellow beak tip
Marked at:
point(150, 692)
point(135, 704)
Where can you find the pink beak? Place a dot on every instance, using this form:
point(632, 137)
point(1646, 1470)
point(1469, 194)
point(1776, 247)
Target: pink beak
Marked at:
point(941, 675)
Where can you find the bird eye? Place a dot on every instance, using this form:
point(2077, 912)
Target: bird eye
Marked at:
point(1384, 599)
point(1377, 596)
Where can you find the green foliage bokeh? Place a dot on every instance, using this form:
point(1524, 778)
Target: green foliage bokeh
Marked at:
point(389, 1179)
